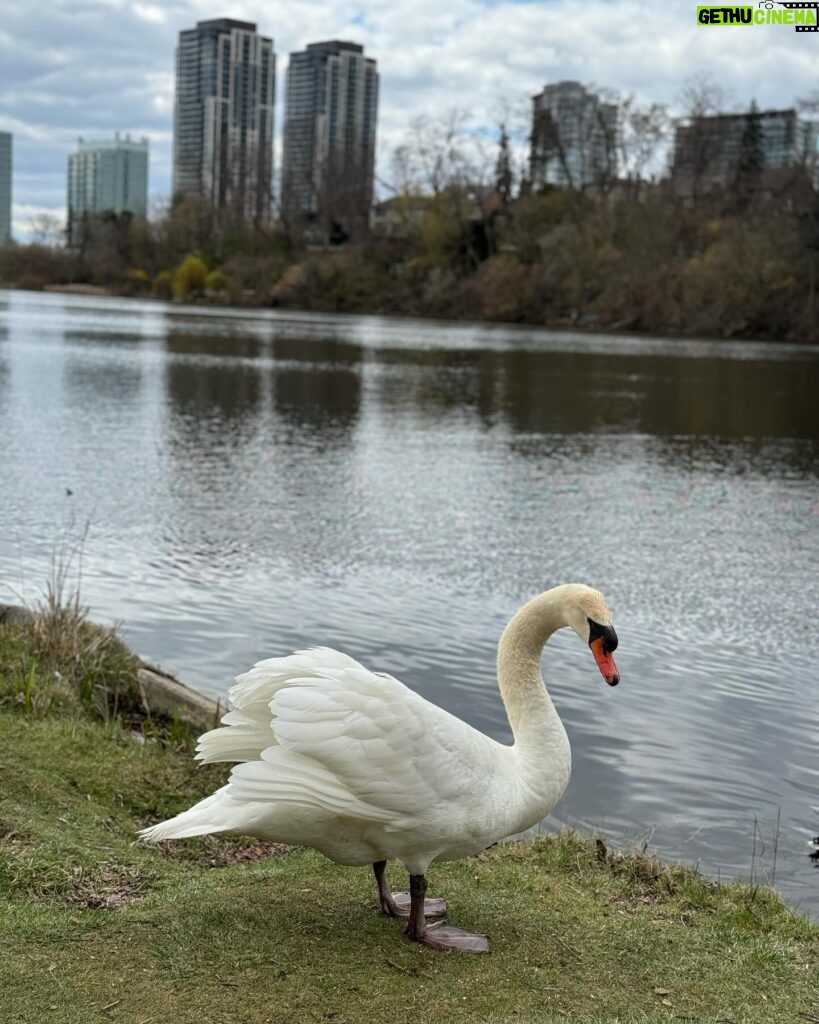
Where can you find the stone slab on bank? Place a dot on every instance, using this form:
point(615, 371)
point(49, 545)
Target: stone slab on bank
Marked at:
point(161, 694)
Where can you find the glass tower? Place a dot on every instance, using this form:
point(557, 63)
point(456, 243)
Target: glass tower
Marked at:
point(223, 117)
point(331, 109)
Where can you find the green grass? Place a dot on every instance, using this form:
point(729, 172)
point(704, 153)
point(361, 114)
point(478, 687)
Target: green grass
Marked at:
point(95, 927)
point(59, 662)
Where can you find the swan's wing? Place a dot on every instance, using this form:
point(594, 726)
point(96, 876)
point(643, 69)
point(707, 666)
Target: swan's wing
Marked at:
point(352, 742)
point(246, 730)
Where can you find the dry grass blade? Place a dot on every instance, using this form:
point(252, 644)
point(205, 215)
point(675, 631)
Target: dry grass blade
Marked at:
point(70, 659)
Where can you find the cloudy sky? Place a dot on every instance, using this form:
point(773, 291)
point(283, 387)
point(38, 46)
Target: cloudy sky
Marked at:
point(92, 67)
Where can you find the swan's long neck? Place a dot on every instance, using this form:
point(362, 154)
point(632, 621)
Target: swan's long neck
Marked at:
point(540, 738)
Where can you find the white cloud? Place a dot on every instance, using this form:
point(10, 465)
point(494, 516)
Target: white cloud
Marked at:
point(149, 12)
point(93, 67)
point(20, 128)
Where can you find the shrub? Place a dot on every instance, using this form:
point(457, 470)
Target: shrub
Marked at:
point(32, 282)
point(501, 285)
point(163, 285)
point(291, 287)
point(216, 281)
point(190, 278)
point(138, 279)
point(250, 277)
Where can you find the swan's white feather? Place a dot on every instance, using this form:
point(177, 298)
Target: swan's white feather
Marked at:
point(356, 764)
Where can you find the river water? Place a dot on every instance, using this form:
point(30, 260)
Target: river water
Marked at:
point(253, 483)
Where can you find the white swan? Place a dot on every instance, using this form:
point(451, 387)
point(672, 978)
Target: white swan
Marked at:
point(360, 767)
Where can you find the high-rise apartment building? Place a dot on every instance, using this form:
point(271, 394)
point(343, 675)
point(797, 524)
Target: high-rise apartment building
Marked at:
point(5, 186)
point(109, 176)
point(574, 137)
point(223, 117)
point(331, 109)
point(711, 152)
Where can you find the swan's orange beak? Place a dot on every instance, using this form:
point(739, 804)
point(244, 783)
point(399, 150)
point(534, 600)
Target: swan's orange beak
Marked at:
point(605, 662)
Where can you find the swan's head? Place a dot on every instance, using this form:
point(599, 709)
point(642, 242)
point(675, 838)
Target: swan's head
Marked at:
point(590, 618)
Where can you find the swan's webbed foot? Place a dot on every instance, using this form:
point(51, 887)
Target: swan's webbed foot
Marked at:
point(397, 904)
point(402, 902)
point(438, 935)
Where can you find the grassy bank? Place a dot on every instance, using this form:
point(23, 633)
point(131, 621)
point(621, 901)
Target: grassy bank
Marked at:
point(96, 928)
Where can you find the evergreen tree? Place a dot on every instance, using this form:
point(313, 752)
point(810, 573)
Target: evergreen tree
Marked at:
point(751, 152)
point(504, 178)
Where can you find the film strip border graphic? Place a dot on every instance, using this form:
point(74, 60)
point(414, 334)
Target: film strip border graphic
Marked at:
point(802, 7)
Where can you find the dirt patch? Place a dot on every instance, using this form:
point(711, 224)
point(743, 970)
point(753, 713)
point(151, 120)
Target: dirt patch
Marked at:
point(223, 856)
point(221, 852)
point(11, 837)
point(108, 888)
point(218, 851)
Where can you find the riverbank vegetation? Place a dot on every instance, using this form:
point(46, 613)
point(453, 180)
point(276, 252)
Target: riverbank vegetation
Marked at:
point(94, 926)
point(638, 260)
point(466, 235)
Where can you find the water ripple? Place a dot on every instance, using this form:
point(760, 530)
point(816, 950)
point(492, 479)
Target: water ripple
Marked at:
point(260, 482)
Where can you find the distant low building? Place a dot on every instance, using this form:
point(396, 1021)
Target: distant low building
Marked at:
point(5, 186)
point(574, 137)
point(109, 176)
point(400, 216)
point(713, 152)
point(403, 216)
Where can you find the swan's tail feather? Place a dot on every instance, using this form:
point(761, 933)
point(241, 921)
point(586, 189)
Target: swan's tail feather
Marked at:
point(174, 829)
point(200, 820)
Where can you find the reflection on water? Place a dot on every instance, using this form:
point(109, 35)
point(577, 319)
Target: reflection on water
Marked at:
point(261, 482)
point(4, 363)
point(572, 392)
point(319, 387)
point(198, 386)
point(110, 380)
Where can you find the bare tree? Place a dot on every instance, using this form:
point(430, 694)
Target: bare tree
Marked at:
point(452, 163)
point(434, 157)
point(403, 181)
point(642, 135)
point(343, 195)
point(808, 109)
point(699, 142)
point(702, 96)
point(46, 229)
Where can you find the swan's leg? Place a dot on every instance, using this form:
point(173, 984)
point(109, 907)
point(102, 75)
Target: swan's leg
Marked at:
point(385, 897)
point(438, 935)
point(397, 904)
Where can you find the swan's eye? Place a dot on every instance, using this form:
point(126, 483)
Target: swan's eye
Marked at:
point(606, 633)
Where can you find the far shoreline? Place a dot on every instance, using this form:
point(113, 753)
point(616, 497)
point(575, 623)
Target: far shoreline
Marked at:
point(560, 329)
